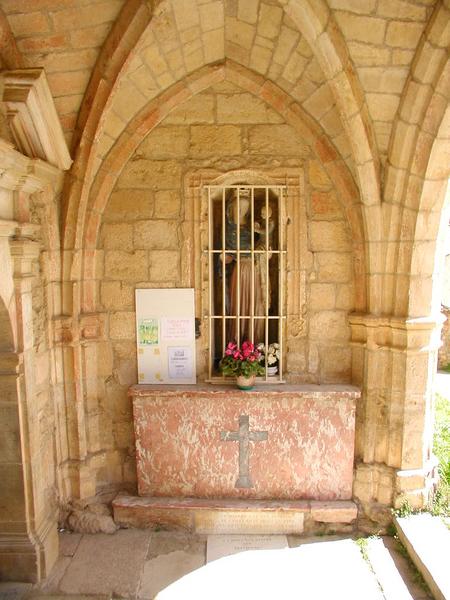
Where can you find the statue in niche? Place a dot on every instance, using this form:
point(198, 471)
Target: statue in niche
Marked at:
point(263, 232)
point(264, 229)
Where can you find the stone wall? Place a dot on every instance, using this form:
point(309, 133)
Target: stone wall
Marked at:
point(142, 235)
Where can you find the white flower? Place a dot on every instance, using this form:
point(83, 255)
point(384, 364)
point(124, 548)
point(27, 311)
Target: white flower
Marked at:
point(273, 352)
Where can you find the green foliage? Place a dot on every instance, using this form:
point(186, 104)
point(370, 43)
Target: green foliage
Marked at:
point(231, 367)
point(446, 368)
point(441, 449)
point(416, 575)
point(363, 544)
point(405, 510)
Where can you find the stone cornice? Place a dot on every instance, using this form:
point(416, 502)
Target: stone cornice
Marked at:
point(20, 173)
point(396, 333)
point(33, 118)
point(8, 228)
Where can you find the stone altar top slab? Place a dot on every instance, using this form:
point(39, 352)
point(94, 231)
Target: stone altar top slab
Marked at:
point(326, 391)
point(201, 441)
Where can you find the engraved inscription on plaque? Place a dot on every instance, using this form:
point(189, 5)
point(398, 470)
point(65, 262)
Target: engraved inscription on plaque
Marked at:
point(258, 522)
point(218, 546)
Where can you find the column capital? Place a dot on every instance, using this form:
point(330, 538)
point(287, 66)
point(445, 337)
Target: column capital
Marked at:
point(8, 228)
point(22, 174)
point(24, 253)
point(396, 333)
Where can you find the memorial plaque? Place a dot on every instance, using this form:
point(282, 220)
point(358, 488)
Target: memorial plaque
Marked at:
point(247, 521)
point(218, 546)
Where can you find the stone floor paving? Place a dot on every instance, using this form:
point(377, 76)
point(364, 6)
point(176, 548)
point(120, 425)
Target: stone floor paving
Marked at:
point(143, 565)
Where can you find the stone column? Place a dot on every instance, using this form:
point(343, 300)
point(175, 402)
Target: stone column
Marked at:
point(28, 539)
point(395, 360)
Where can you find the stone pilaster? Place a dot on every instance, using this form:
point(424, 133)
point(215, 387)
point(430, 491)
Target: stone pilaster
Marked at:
point(397, 362)
point(28, 538)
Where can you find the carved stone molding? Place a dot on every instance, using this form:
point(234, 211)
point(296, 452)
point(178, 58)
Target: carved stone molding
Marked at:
point(33, 118)
point(29, 175)
point(8, 228)
point(24, 253)
point(396, 333)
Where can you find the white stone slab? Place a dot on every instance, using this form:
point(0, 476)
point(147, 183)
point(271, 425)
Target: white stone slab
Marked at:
point(248, 522)
point(382, 563)
point(427, 540)
point(325, 571)
point(219, 546)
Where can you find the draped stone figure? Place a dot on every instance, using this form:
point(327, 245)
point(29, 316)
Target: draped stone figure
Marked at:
point(242, 304)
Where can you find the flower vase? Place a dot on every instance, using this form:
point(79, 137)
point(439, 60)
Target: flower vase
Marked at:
point(245, 383)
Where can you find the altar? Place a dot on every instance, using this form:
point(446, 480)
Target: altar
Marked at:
point(215, 448)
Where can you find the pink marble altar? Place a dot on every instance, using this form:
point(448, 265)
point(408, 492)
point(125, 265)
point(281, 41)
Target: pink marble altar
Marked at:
point(274, 442)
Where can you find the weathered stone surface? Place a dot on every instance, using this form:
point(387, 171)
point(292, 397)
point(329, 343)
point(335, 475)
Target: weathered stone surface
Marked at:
point(403, 35)
point(127, 205)
point(199, 109)
point(159, 235)
point(337, 512)
point(116, 295)
point(160, 143)
point(325, 205)
point(363, 29)
point(239, 522)
point(376, 79)
point(212, 140)
point(117, 236)
point(244, 108)
point(107, 563)
point(122, 325)
point(317, 175)
point(334, 323)
point(335, 362)
point(322, 296)
point(164, 265)
point(345, 297)
point(353, 5)
point(383, 106)
point(126, 266)
point(167, 204)
point(151, 174)
point(329, 236)
point(276, 139)
point(366, 55)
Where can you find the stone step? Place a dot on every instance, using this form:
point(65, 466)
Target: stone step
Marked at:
point(427, 541)
point(212, 516)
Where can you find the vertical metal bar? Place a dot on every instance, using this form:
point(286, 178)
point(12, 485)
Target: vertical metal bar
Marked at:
point(210, 284)
point(224, 270)
point(252, 254)
point(281, 225)
point(238, 267)
point(266, 319)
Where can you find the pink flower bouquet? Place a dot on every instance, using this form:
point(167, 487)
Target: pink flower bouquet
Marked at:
point(242, 360)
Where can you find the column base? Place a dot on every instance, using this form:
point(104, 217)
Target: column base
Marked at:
point(379, 488)
point(28, 560)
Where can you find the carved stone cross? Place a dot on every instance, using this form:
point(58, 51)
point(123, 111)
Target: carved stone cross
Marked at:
point(244, 436)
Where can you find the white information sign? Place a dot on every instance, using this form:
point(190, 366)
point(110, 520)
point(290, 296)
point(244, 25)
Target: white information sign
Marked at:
point(165, 333)
point(176, 329)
